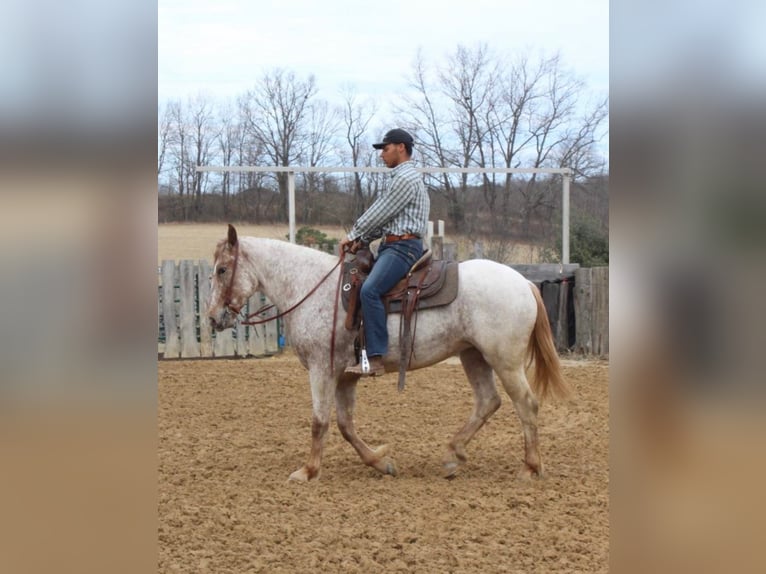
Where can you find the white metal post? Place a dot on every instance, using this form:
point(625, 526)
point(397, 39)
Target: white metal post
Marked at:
point(565, 220)
point(291, 203)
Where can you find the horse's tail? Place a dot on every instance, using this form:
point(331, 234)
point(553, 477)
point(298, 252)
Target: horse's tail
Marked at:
point(547, 378)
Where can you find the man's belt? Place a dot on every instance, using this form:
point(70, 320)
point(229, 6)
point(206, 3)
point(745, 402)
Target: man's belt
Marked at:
point(390, 238)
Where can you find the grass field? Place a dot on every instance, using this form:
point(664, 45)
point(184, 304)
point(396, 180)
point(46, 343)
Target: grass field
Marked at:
point(198, 240)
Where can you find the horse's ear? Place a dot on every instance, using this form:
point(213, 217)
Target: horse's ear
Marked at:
point(232, 235)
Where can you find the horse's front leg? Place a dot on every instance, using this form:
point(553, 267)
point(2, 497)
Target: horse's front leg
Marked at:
point(345, 400)
point(322, 390)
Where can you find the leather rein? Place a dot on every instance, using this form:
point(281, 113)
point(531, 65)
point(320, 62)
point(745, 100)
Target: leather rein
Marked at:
point(247, 321)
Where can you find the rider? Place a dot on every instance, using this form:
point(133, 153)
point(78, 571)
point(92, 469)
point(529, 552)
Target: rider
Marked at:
point(400, 216)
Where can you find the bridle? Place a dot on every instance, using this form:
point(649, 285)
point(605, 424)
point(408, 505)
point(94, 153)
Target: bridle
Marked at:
point(247, 321)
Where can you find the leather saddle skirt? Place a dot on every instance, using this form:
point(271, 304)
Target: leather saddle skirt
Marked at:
point(429, 283)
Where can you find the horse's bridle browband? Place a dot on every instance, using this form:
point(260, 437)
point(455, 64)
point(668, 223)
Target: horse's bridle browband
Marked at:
point(247, 321)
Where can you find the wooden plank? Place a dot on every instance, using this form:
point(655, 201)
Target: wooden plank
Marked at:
point(583, 312)
point(187, 318)
point(562, 325)
point(240, 340)
point(271, 334)
point(449, 251)
point(256, 338)
point(204, 269)
point(550, 293)
point(160, 345)
point(169, 278)
point(600, 312)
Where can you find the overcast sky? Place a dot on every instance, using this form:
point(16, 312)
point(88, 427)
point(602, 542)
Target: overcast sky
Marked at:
point(221, 47)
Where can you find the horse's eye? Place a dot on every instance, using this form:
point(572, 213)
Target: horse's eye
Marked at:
point(221, 270)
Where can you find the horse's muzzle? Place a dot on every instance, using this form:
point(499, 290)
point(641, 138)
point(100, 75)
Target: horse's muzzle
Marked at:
point(226, 320)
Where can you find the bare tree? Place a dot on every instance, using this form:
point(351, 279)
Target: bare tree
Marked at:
point(321, 126)
point(535, 123)
point(518, 92)
point(165, 126)
point(578, 150)
point(275, 113)
point(229, 137)
point(475, 109)
point(452, 115)
point(356, 119)
point(467, 80)
point(178, 143)
point(431, 126)
point(204, 132)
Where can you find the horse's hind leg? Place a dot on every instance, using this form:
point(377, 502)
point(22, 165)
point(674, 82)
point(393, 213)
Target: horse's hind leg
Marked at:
point(515, 384)
point(486, 402)
point(345, 400)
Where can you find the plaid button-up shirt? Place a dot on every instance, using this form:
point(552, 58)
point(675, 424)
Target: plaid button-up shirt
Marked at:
point(402, 208)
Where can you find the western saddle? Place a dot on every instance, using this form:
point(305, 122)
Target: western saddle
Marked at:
point(429, 283)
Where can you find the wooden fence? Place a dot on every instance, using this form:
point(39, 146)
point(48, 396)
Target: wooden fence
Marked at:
point(576, 299)
point(577, 302)
point(184, 331)
point(591, 310)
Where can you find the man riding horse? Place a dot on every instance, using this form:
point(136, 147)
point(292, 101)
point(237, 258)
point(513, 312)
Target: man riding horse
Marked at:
point(400, 216)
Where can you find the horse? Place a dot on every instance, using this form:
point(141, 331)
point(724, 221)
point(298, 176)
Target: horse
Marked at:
point(496, 324)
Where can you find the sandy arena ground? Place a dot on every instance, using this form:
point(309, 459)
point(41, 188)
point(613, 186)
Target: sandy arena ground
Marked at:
point(231, 431)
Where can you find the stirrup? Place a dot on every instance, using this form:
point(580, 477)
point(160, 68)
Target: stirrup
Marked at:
point(364, 368)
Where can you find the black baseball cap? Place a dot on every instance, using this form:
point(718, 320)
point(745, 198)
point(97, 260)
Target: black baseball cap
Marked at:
point(394, 136)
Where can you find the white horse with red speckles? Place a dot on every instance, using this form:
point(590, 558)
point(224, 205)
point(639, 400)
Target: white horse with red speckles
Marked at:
point(497, 324)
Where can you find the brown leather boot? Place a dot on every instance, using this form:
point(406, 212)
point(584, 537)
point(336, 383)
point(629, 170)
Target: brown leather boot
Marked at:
point(376, 368)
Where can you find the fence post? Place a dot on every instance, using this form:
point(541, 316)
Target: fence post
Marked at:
point(172, 346)
point(186, 314)
point(291, 204)
point(583, 311)
point(592, 311)
point(205, 330)
point(437, 246)
point(240, 348)
point(600, 290)
point(256, 344)
point(562, 326)
point(429, 234)
point(271, 334)
point(565, 220)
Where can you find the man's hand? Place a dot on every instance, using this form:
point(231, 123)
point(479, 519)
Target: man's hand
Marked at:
point(349, 245)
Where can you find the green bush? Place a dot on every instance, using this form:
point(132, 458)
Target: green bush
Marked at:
point(588, 243)
point(314, 238)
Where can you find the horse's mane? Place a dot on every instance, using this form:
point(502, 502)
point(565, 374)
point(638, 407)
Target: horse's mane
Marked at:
point(294, 250)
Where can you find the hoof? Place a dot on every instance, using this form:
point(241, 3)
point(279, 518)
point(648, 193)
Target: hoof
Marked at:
point(450, 469)
point(454, 458)
point(302, 475)
point(528, 473)
point(382, 463)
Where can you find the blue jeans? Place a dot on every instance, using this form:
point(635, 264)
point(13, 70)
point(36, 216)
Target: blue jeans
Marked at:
point(393, 261)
